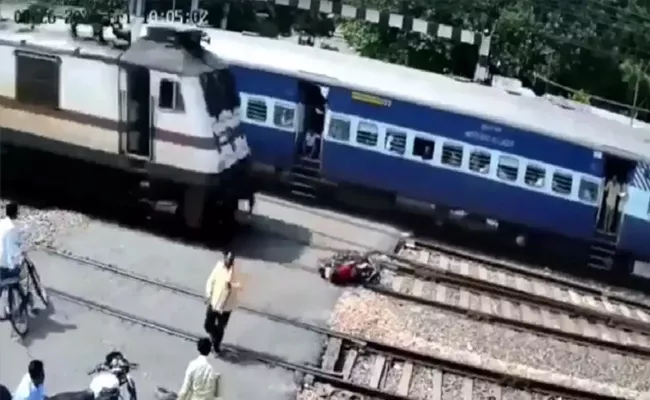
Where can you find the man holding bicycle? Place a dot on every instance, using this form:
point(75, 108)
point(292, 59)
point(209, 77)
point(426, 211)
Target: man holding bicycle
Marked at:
point(11, 255)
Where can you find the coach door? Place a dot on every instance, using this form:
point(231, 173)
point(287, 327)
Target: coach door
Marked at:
point(313, 107)
point(618, 172)
point(135, 112)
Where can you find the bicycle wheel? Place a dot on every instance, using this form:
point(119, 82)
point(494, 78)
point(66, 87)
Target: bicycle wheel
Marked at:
point(18, 314)
point(36, 284)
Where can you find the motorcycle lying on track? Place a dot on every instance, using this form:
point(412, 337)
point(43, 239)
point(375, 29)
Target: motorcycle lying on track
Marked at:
point(365, 271)
point(110, 378)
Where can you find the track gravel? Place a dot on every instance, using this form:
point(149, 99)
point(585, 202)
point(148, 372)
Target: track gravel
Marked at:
point(361, 312)
point(41, 227)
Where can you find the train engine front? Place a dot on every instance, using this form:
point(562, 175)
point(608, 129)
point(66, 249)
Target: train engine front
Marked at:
point(197, 125)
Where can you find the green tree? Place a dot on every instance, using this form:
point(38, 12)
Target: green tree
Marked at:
point(267, 19)
point(578, 43)
point(581, 96)
point(637, 77)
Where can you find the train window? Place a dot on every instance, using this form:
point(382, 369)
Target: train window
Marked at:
point(535, 176)
point(452, 154)
point(339, 129)
point(170, 96)
point(508, 168)
point(37, 79)
point(423, 148)
point(479, 161)
point(588, 191)
point(395, 141)
point(367, 134)
point(256, 110)
point(283, 116)
point(562, 183)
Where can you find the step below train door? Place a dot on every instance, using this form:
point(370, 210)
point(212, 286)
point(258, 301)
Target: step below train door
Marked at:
point(610, 217)
point(305, 174)
point(136, 112)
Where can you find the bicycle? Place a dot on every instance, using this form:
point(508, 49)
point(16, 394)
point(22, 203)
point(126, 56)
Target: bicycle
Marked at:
point(19, 296)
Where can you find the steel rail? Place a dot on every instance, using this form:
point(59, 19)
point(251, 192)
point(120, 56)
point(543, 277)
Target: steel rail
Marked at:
point(233, 350)
point(327, 377)
point(627, 349)
point(476, 314)
point(427, 272)
point(503, 265)
point(510, 266)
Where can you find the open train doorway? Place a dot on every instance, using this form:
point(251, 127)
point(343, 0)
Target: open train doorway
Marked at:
point(136, 112)
point(313, 101)
point(618, 172)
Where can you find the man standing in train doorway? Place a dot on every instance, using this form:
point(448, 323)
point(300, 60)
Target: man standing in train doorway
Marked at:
point(221, 291)
point(612, 190)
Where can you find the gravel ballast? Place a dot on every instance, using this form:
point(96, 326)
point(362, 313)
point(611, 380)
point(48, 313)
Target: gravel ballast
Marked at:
point(364, 313)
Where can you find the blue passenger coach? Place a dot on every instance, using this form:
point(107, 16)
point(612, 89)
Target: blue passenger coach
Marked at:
point(537, 167)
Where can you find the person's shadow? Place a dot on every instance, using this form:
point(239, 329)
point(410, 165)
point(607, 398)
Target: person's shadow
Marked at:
point(42, 323)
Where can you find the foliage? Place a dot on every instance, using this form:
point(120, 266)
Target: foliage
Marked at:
point(597, 45)
point(601, 46)
point(581, 96)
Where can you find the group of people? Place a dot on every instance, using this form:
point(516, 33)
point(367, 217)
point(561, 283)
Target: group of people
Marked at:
point(201, 381)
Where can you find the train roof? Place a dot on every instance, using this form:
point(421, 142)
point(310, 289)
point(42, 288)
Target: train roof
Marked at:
point(56, 38)
point(530, 113)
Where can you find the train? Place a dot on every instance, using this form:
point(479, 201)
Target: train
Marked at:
point(161, 110)
point(435, 144)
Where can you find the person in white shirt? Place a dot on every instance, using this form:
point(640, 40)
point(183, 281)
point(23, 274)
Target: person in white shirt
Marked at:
point(11, 255)
point(31, 386)
point(201, 382)
point(310, 144)
point(612, 192)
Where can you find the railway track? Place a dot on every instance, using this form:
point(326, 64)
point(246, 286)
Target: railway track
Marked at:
point(418, 248)
point(460, 285)
point(343, 354)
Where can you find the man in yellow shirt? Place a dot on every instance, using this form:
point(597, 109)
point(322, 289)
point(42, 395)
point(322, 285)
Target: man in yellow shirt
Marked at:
point(221, 296)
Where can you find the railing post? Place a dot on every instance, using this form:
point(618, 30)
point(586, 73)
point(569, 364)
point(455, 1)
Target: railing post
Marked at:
point(482, 64)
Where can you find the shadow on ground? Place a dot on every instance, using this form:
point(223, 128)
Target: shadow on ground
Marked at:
point(247, 239)
point(42, 324)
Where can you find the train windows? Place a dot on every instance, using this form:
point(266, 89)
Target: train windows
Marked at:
point(508, 168)
point(339, 129)
point(256, 110)
point(395, 141)
point(423, 148)
point(479, 161)
point(588, 191)
point(367, 134)
point(283, 116)
point(37, 79)
point(562, 183)
point(170, 96)
point(535, 176)
point(452, 154)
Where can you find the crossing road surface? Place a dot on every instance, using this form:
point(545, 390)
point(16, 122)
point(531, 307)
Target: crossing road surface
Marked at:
point(71, 339)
